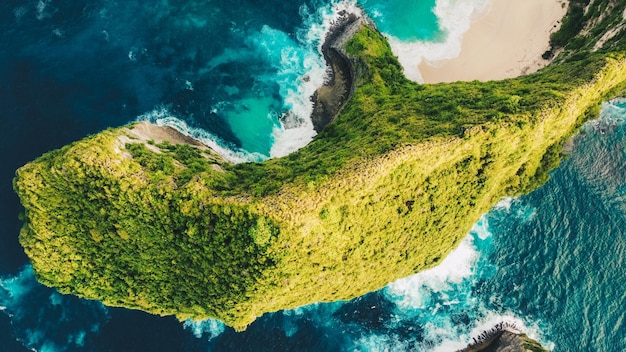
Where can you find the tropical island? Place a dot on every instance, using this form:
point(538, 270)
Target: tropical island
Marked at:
point(144, 217)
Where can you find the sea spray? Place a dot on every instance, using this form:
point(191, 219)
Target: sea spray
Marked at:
point(296, 128)
point(445, 301)
point(208, 329)
point(456, 267)
point(298, 71)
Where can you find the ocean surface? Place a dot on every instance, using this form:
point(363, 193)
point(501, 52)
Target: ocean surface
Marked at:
point(227, 72)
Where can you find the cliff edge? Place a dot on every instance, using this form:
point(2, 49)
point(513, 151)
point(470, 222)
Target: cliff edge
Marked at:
point(329, 99)
point(387, 189)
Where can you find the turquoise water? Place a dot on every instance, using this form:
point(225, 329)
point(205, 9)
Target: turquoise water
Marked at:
point(283, 68)
point(407, 20)
point(551, 262)
point(566, 265)
point(246, 80)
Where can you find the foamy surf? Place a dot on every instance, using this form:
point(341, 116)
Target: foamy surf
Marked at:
point(299, 70)
point(612, 114)
point(162, 117)
point(454, 18)
point(296, 128)
point(414, 291)
point(208, 329)
point(435, 299)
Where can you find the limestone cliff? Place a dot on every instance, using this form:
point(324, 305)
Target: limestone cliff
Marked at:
point(389, 188)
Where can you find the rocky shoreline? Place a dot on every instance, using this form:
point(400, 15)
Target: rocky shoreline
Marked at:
point(329, 99)
point(503, 337)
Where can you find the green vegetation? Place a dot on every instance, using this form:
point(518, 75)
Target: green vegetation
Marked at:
point(531, 345)
point(571, 25)
point(386, 190)
point(585, 26)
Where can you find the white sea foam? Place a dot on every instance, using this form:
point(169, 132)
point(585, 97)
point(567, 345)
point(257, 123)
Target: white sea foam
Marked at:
point(161, 116)
point(77, 339)
point(613, 113)
point(504, 203)
point(432, 298)
point(43, 9)
point(455, 17)
point(414, 291)
point(297, 131)
point(481, 228)
point(300, 71)
point(515, 208)
point(209, 328)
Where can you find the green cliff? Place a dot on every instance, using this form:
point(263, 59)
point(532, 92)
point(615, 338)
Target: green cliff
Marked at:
point(142, 218)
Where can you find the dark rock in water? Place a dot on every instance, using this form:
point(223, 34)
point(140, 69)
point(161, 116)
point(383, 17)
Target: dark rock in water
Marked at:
point(511, 342)
point(504, 337)
point(290, 120)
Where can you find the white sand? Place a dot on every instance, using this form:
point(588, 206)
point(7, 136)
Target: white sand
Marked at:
point(506, 42)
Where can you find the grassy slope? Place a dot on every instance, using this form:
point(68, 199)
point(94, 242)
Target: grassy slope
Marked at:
point(586, 23)
point(386, 190)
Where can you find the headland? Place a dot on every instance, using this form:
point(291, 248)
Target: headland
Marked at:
point(387, 189)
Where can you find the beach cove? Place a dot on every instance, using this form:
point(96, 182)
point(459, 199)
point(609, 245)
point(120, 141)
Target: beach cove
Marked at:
point(507, 40)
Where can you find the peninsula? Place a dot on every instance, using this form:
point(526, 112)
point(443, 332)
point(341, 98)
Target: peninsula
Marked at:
point(145, 218)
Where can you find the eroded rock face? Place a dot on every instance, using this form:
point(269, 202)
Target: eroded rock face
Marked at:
point(330, 98)
point(504, 337)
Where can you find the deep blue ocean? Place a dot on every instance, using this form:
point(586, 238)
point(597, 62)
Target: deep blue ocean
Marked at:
point(228, 72)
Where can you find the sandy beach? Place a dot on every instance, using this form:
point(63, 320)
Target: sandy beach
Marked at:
point(507, 41)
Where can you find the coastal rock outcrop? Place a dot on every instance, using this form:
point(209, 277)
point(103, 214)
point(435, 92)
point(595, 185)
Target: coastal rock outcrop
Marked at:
point(328, 99)
point(387, 189)
point(512, 342)
point(504, 337)
point(343, 70)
